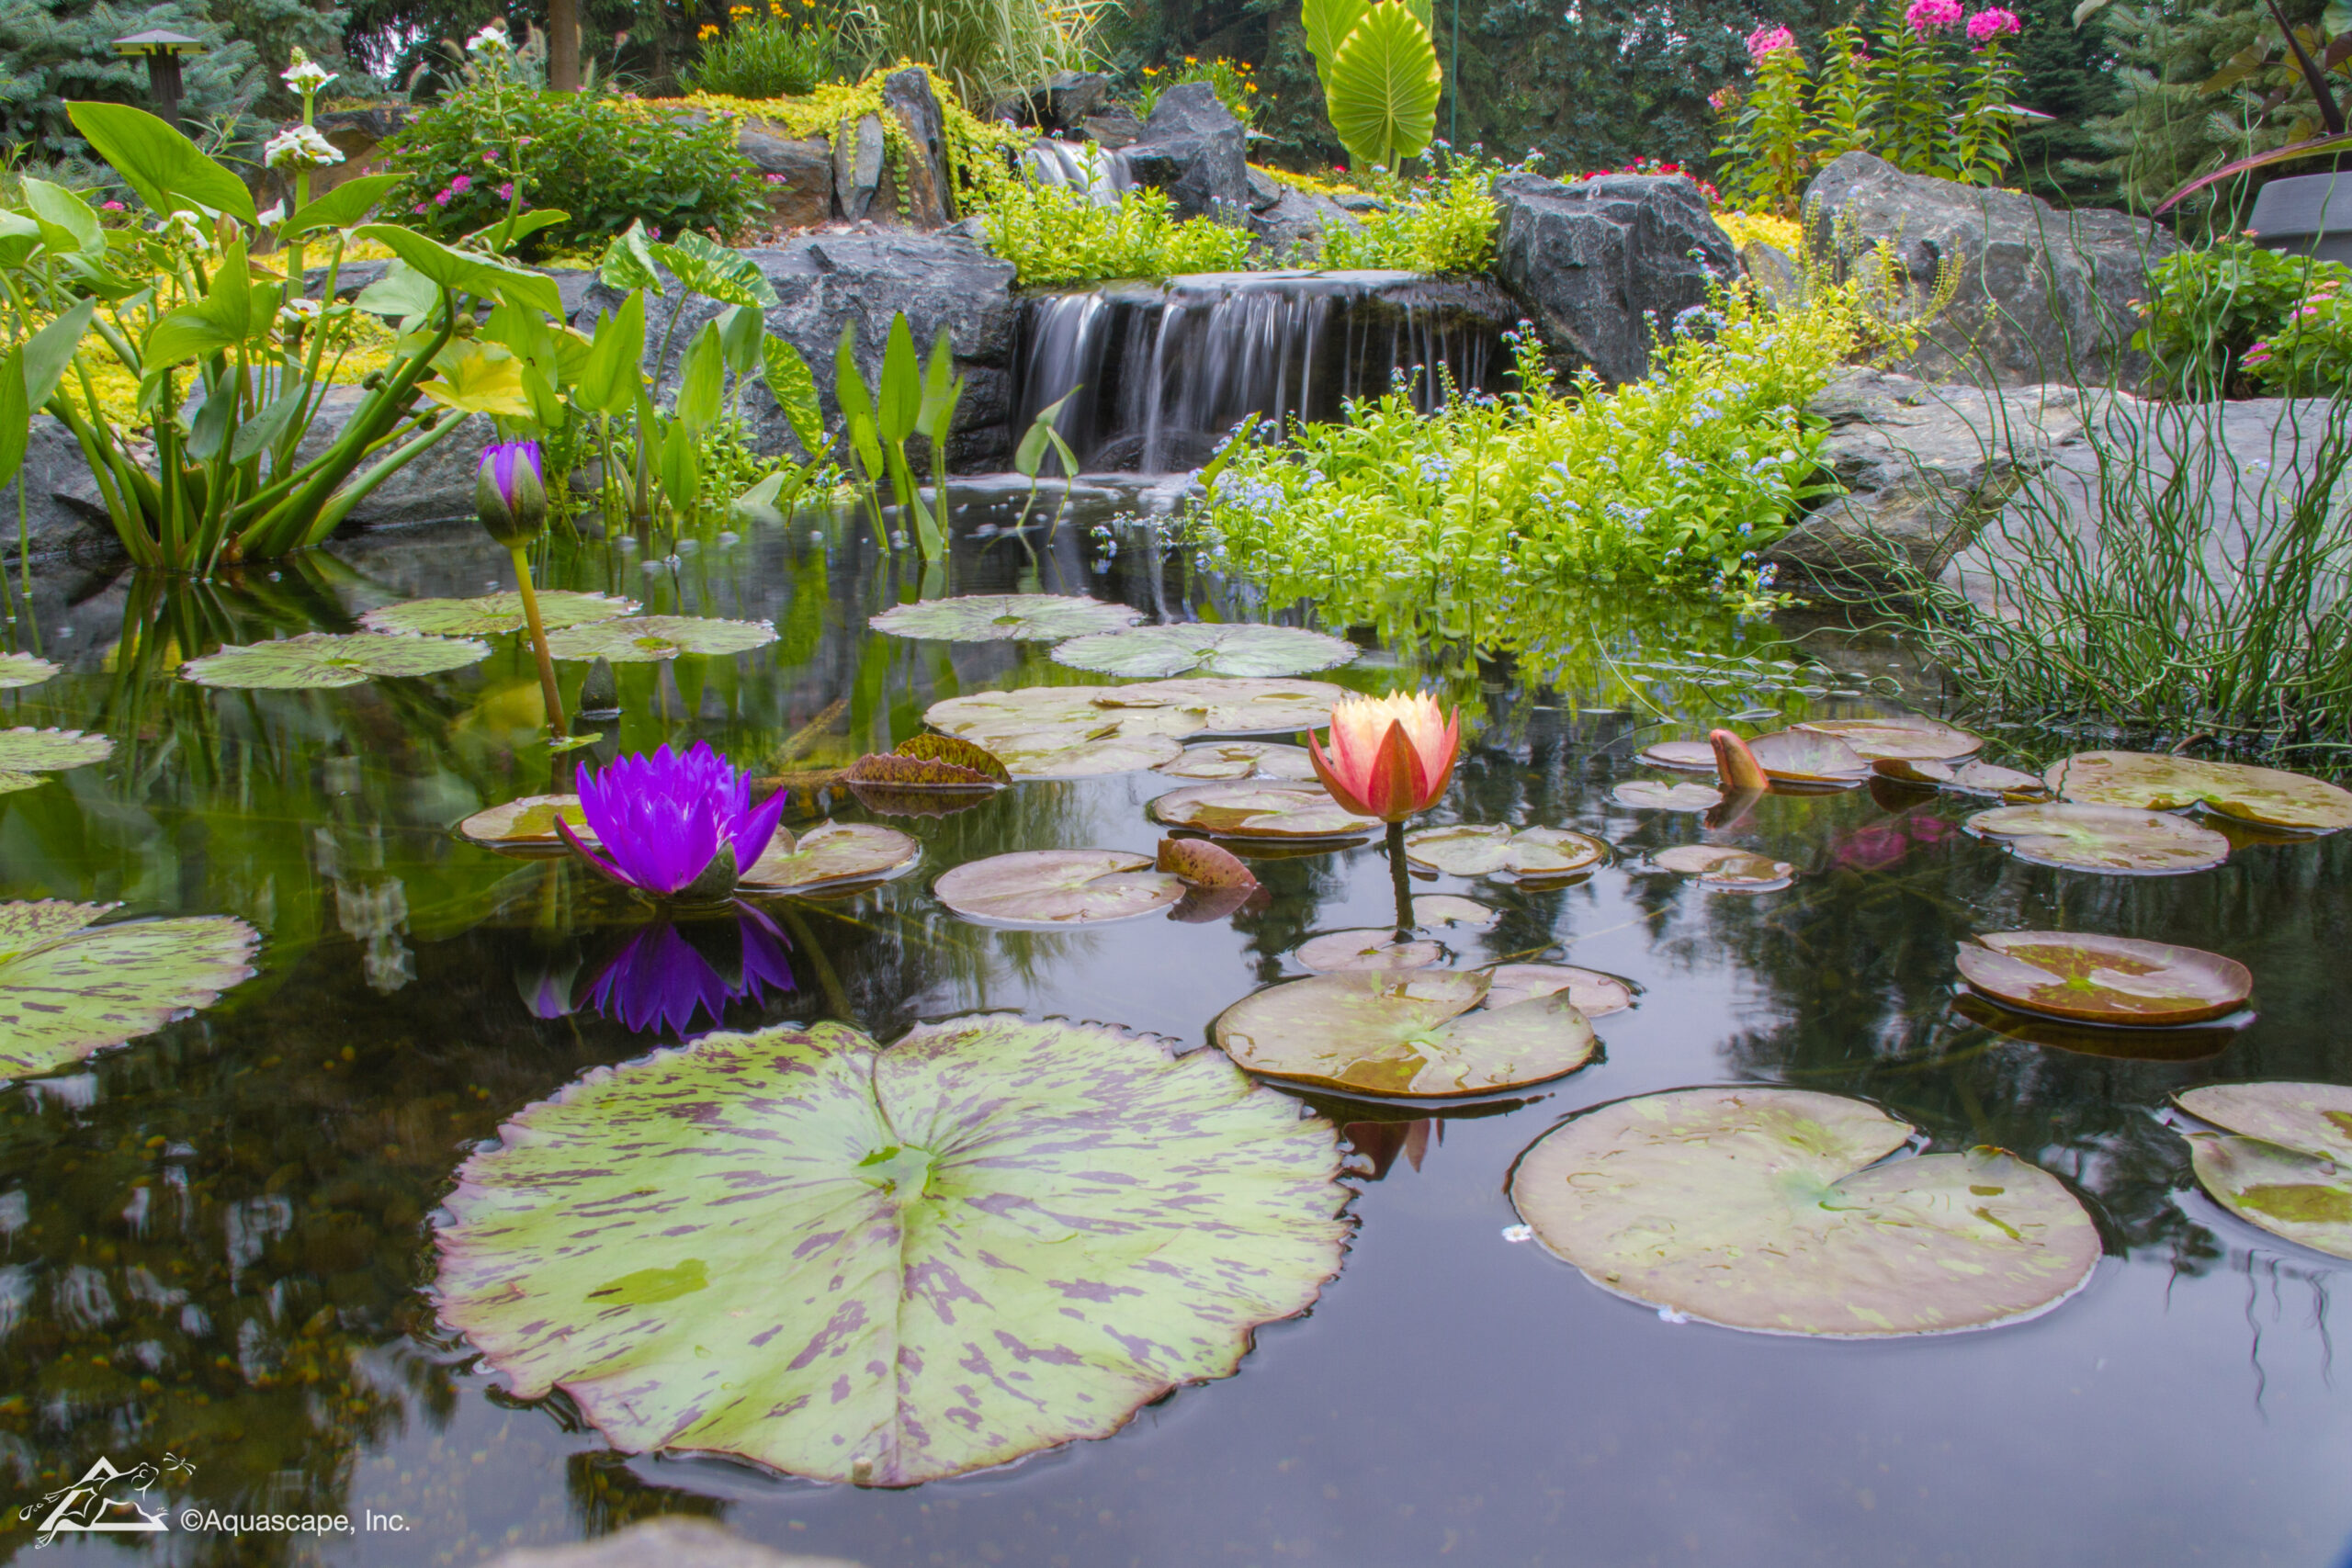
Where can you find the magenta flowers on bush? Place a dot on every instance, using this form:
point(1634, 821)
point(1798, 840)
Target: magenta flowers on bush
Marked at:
point(1992, 24)
point(674, 826)
point(1932, 15)
point(1769, 40)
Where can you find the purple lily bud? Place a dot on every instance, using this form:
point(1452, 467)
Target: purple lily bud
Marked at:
point(510, 493)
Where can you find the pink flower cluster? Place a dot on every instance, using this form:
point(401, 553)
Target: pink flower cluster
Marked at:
point(1932, 15)
point(1765, 41)
point(1985, 26)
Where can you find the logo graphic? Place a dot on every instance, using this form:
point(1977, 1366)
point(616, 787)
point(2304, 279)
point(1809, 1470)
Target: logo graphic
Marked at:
point(97, 1503)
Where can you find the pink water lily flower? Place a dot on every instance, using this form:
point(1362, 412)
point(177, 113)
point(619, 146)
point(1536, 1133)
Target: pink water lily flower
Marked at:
point(1390, 757)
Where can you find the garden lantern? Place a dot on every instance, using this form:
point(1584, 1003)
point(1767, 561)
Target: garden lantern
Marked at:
point(162, 51)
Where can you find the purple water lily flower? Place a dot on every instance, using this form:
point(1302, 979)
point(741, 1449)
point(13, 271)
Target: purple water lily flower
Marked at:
point(660, 978)
point(673, 826)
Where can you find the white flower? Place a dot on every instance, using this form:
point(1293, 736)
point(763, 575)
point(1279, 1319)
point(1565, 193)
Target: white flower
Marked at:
point(271, 217)
point(182, 225)
point(493, 36)
point(302, 147)
point(300, 309)
point(306, 76)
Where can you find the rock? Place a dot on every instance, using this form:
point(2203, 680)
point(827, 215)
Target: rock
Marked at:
point(1114, 127)
point(1265, 191)
point(801, 196)
point(2044, 295)
point(63, 516)
point(1071, 96)
point(436, 487)
point(1292, 229)
point(675, 1541)
point(921, 195)
point(857, 167)
point(1192, 148)
point(1774, 272)
point(1597, 263)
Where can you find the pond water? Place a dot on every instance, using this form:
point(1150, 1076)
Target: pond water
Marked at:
point(217, 1239)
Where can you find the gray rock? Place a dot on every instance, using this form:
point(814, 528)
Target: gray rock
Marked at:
point(2044, 295)
point(1265, 191)
point(1194, 149)
point(677, 1541)
point(1071, 96)
point(436, 487)
point(1774, 272)
point(63, 517)
point(1114, 127)
point(1597, 263)
point(919, 196)
point(1291, 230)
point(857, 167)
point(805, 198)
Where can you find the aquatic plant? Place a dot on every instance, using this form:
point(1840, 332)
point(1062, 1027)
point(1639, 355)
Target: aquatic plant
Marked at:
point(1206, 647)
point(70, 985)
point(1390, 758)
point(1054, 235)
point(1431, 1034)
point(673, 826)
point(510, 498)
point(2283, 1159)
point(1381, 77)
point(660, 979)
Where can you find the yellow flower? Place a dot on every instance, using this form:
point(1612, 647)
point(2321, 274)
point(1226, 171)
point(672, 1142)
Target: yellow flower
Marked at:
point(1190, 61)
point(1151, 70)
point(709, 30)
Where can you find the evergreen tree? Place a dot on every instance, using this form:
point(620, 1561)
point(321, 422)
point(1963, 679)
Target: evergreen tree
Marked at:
point(53, 52)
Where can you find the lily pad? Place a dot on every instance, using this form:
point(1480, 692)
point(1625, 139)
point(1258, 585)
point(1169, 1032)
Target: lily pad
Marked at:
point(69, 986)
point(2109, 838)
point(1534, 854)
point(1803, 756)
point(28, 751)
point(1989, 778)
point(2269, 798)
point(932, 762)
point(1001, 617)
point(1682, 756)
point(493, 614)
point(1649, 795)
point(1434, 910)
point(642, 639)
point(1058, 888)
point(1254, 809)
point(18, 670)
point(1595, 994)
point(1233, 707)
point(1241, 759)
point(1767, 1210)
point(316, 660)
point(890, 1265)
point(1059, 732)
point(1217, 882)
point(528, 823)
point(1422, 1035)
point(1343, 952)
point(1239, 648)
point(829, 854)
point(1726, 869)
point(2104, 979)
point(1908, 736)
point(2285, 1160)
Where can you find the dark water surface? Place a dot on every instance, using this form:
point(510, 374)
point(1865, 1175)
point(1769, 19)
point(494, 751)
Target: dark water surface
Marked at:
point(215, 1241)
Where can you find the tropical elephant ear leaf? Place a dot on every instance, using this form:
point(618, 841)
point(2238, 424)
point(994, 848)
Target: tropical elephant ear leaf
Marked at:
point(69, 988)
point(1382, 89)
point(1328, 24)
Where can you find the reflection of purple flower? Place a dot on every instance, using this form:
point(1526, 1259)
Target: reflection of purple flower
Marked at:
point(660, 979)
point(1882, 845)
point(663, 820)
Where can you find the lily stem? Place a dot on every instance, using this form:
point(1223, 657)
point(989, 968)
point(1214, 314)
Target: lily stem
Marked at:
point(539, 643)
point(1396, 874)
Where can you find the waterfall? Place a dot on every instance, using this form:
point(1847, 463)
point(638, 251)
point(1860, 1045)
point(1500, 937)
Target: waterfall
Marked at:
point(1100, 174)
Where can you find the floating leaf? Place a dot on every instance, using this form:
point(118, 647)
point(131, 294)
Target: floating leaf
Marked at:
point(1925, 771)
point(1906, 735)
point(2104, 979)
point(1432, 910)
point(1595, 994)
point(1255, 809)
point(1059, 732)
point(640, 639)
point(1985, 778)
point(69, 988)
point(2288, 1166)
point(829, 855)
point(999, 617)
point(1422, 1035)
point(493, 614)
point(28, 751)
point(1534, 854)
point(932, 762)
point(1058, 888)
point(1765, 1209)
point(955, 751)
point(1241, 759)
point(1727, 869)
point(24, 670)
point(2268, 796)
point(1803, 757)
point(529, 822)
point(11, 783)
point(1232, 706)
point(1683, 756)
point(2107, 839)
point(1237, 648)
point(1217, 883)
point(1340, 953)
point(890, 1265)
point(319, 660)
point(1649, 794)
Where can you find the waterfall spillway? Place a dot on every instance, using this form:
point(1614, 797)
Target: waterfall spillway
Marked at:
point(1097, 172)
point(1156, 373)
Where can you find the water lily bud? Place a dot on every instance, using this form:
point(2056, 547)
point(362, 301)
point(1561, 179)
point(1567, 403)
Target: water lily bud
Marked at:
point(509, 493)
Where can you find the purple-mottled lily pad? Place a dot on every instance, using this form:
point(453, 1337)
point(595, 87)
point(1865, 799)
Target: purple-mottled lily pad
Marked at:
point(2268, 798)
point(1682, 756)
point(644, 639)
point(2285, 1160)
point(494, 615)
point(1060, 732)
point(1255, 809)
point(28, 751)
point(1904, 736)
point(1004, 617)
point(69, 986)
point(1725, 869)
point(1058, 888)
point(1232, 706)
point(1241, 759)
point(1768, 1210)
point(1595, 994)
point(528, 823)
point(2109, 838)
point(1652, 795)
point(831, 854)
point(1805, 757)
point(2104, 979)
point(320, 660)
point(888, 1265)
point(1530, 855)
point(1423, 1034)
point(1239, 648)
point(1345, 952)
point(18, 669)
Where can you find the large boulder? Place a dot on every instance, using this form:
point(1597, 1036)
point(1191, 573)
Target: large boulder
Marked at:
point(63, 517)
point(1193, 149)
point(2043, 295)
point(796, 172)
point(867, 182)
point(1602, 264)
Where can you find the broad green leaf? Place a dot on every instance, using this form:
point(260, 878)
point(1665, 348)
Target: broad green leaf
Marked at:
point(2104, 979)
point(342, 206)
point(856, 403)
point(628, 264)
point(899, 404)
point(742, 331)
point(1382, 88)
point(210, 430)
point(18, 669)
point(829, 855)
point(260, 432)
point(49, 353)
point(402, 291)
point(612, 378)
point(1532, 854)
point(19, 238)
point(1058, 888)
point(716, 272)
point(2113, 840)
point(68, 225)
point(1770, 1210)
point(1030, 456)
point(920, 1280)
point(2270, 797)
point(466, 272)
point(640, 639)
point(69, 988)
point(28, 751)
point(681, 464)
point(794, 390)
point(232, 311)
point(16, 423)
point(493, 614)
point(1328, 24)
point(157, 161)
point(1235, 648)
point(480, 382)
point(1256, 809)
point(942, 389)
point(1423, 1033)
point(317, 660)
point(996, 617)
point(702, 378)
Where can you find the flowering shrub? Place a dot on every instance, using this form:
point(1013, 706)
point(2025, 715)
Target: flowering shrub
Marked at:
point(1235, 82)
point(2235, 320)
point(768, 54)
point(1656, 168)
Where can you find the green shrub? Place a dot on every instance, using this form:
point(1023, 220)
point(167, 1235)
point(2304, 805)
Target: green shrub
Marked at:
point(2209, 310)
point(1052, 235)
point(766, 57)
point(1442, 223)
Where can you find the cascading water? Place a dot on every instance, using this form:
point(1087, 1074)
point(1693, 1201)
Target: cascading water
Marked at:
point(1098, 172)
point(1155, 374)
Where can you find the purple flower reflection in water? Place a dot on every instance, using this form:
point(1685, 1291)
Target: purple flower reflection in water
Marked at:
point(660, 979)
point(661, 819)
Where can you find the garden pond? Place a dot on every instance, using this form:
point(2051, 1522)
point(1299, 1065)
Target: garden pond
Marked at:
point(217, 1241)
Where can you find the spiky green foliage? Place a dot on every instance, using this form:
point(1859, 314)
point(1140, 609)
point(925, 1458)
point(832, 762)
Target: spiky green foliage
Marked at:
point(55, 51)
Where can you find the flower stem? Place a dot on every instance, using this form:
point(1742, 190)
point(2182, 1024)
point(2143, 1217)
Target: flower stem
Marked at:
point(539, 642)
point(1403, 883)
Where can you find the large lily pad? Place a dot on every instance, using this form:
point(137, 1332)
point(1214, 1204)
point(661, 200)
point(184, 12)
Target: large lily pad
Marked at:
point(1906, 735)
point(1534, 854)
point(316, 660)
point(2284, 1163)
point(493, 614)
point(1595, 994)
point(2104, 979)
point(69, 986)
point(528, 823)
point(28, 751)
point(1232, 706)
point(1419, 1036)
point(1726, 869)
point(831, 854)
point(1347, 952)
point(2109, 838)
point(24, 670)
point(642, 639)
point(1435, 911)
point(1058, 888)
point(1000, 618)
point(1683, 756)
point(1239, 648)
point(2268, 796)
point(1651, 795)
point(1241, 759)
point(1260, 809)
point(1805, 757)
point(890, 1265)
point(1060, 732)
point(1764, 1209)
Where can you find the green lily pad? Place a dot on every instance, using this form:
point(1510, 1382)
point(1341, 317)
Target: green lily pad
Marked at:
point(1260, 809)
point(28, 751)
point(1001, 618)
point(1058, 888)
point(642, 639)
point(1232, 706)
point(1805, 757)
point(829, 855)
point(25, 669)
point(1422, 1035)
point(2109, 838)
point(318, 661)
point(1595, 994)
point(1725, 869)
point(1682, 756)
point(528, 823)
point(2284, 1161)
point(1239, 648)
point(11, 783)
point(1649, 795)
point(890, 1265)
point(2104, 979)
point(1241, 759)
point(1346, 953)
point(69, 988)
point(1767, 1210)
point(1059, 732)
point(493, 614)
point(1533, 854)
point(1907, 736)
point(2268, 796)
point(1433, 911)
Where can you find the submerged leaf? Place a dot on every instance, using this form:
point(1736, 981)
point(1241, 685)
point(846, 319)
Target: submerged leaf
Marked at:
point(2109, 838)
point(1419, 1035)
point(1533, 854)
point(642, 639)
point(2104, 979)
point(1235, 648)
point(2270, 797)
point(69, 988)
point(2289, 1168)
point(18, 670)
point(322, 660)
point(998, 617)
point(493, 614)
point(1058, 888)
point(1255, 809)
point(831, 854)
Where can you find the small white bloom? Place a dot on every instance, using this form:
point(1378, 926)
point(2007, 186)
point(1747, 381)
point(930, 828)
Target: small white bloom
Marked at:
point(271, 217)
point(306, 76)
point(302, 147)
point(493, 36)
point(184, 226)
point(301, 309)
point(1519, 1232)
